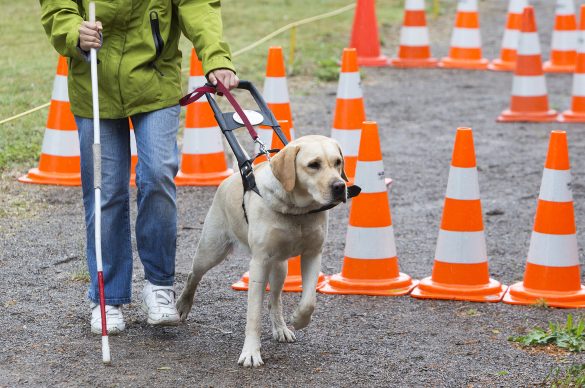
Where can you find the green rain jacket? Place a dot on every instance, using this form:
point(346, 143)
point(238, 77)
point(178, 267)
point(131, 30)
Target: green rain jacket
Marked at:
point(139, 66)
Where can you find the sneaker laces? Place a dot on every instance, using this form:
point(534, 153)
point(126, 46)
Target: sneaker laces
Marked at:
point(164, 295)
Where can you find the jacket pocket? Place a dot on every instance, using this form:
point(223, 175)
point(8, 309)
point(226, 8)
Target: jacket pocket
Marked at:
point(159, 43)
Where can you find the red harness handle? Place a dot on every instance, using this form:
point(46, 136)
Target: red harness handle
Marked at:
point(220, 89)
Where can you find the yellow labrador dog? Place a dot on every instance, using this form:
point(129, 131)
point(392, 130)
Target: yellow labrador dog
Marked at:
point(304, 176)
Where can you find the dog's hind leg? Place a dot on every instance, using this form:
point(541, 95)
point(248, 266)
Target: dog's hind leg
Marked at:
point(310, 267)
point(280, 332)
point(213, 248)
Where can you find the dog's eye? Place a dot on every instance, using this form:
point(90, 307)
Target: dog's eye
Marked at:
point(338, 163)
point(314, 165)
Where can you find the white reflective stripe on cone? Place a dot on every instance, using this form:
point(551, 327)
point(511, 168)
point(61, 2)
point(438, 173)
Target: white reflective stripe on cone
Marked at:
point(580, 42)
point(556, 186)
point(276, 90)
point(553, 250)
point(196, 81)
point(370, 243)
point(466, 38)
point(370, 176)
point(415, 5)
point(60, 143)
point(517, 6)
point(202, 141)
point(60, 92)
point(564, 40)
point(463, 183)
point(564, 7)
point(510, 40)
point(414, 36)
point(579, 85)
point(461, 247)
point(467, 6)
point(133, 149)
point(528, 86)
point(348, 139)
point(349, 86)
point(529, 44)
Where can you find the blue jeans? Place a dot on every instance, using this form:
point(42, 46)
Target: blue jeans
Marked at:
point(156, 221)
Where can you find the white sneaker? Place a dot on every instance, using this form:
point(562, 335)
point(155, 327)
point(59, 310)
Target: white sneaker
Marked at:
point(114, 319)
point(159, 303)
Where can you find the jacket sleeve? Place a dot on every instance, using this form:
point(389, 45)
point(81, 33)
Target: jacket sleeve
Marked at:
point(61, 20)
point(201, 23)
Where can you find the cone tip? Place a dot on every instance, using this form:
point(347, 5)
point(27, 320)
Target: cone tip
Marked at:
point(196, 65)
point(557, 157)
point(275, 62)
point(369, 150)
point(369, 124)
point(349, 61)
point(62, 67)
point(463, 150)
point(528, 20)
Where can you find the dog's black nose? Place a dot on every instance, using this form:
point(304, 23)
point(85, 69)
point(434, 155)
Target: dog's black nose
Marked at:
point(338, 189)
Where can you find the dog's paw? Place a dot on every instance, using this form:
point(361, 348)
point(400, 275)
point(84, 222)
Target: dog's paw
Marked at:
point(283, 334)
point(184, 307)
point(250, 358)
point(301, 318)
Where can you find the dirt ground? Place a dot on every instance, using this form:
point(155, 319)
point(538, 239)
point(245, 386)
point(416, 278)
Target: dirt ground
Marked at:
point(353, 340)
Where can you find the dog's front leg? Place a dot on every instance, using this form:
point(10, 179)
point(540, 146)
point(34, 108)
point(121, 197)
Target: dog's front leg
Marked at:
point(310, 267)
point(250, 355)
point(280, 332)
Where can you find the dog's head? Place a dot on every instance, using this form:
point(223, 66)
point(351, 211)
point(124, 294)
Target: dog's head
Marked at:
point(311, 167)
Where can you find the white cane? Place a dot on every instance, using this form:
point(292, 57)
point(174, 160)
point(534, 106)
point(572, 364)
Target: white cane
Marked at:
point(97, 182)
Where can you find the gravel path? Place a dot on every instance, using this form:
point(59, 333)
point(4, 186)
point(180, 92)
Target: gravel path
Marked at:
point(353, 340)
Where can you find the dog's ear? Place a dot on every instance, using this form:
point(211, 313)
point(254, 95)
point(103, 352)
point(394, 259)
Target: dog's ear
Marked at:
point(283, 166)
point(343, 175)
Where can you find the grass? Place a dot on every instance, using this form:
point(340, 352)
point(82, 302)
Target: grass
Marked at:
point(81, 275)
point(571, 376)
point(28, 62)
point(569, 336)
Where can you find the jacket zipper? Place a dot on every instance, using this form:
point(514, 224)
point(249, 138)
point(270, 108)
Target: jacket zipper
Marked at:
point(159, 43)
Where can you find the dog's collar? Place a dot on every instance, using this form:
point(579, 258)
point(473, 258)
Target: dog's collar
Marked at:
point(352, 191)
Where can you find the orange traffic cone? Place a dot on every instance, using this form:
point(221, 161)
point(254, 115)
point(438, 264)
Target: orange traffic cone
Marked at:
point(349, 111)
point(577, 112)
point(465, 52)
point(60, 161)
point(552, 269)
point(370, 265)
point(564, 39)
point(134, 154)
point(529, 100)
point(507, 60)
point(364, 35)
point(293, 281)
point(276, 96)
point(460, 271)
point(414, 50)
point(203, 162)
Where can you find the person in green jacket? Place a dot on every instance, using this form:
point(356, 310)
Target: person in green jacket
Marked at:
point(139, 74)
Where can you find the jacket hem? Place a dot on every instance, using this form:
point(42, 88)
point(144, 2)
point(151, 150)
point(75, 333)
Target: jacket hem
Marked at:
point(130, 111)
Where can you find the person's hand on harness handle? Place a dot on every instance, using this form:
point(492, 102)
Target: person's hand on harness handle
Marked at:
point(89, 35)
point(227, 77)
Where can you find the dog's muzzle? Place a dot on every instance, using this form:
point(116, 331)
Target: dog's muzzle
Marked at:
point(339, 191)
